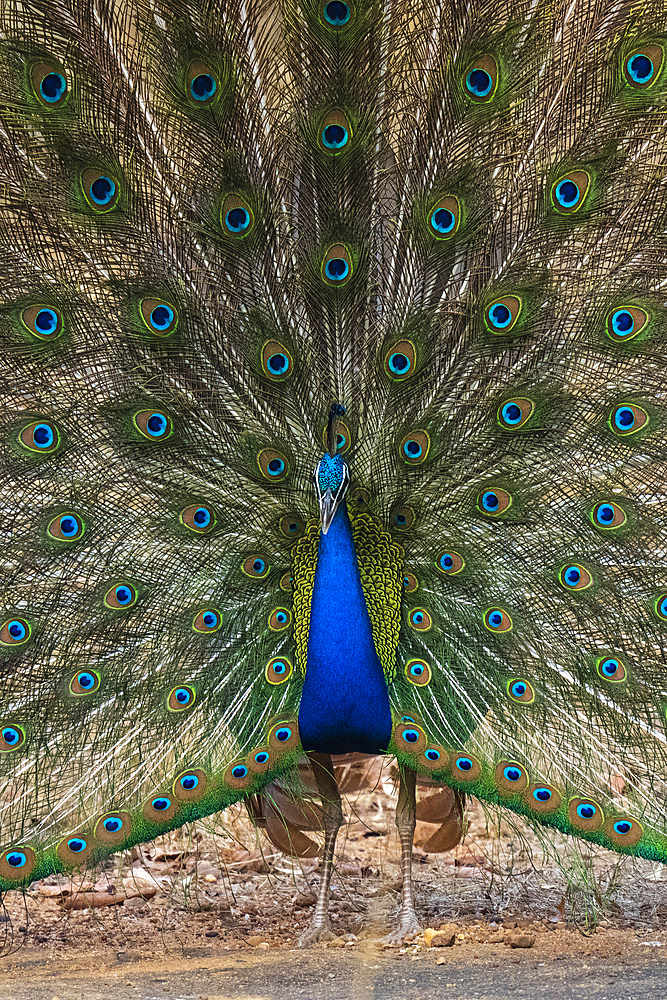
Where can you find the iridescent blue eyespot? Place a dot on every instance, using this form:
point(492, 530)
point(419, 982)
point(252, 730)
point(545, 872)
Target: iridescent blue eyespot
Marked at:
point(189, 782)
point(417, 669)
point(112, 824)
point(490, 501)
point(586, 810)
point(161, 804)
point(335, 136)
point(77, 844)
point(203, 87)
point(259, 566)
point(85, 680)
point(102, 190)
point(46, 322)
point(609, 667)
point(410, 735)
point(123, 595)
point(432, 754)
point(16, 859)
point(11, 736)
point(640, 68)
point(567, 193)
point(283, 734)
point(337, 13)
point(604, 514)
point(278, 363)
point(622, 323)
point(399, 364)
point(157, 424)
point(479, 82)
point(275, 467)
point(17, 630)
point(464, 763)
point(336, 269)
point(511, 413)
point(43, 436)
point(182, 696)
point(202, 517)
point(412, 449)
point(542, 794)
point(237, 219)
point(210, 619)
point(624, 418)
point(518, 689)
point(261, 757)
point(572, 576)
point(443, 220)
point(622, 827)
point(512, 773)
point(161, 317)
point(500, 316)
point(240, 771)
point(52, 87)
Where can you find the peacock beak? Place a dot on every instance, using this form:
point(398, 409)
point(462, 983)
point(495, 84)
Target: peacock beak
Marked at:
point(328, 507)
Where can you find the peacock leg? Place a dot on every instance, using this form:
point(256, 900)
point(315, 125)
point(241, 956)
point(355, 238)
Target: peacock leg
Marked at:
point(406, 817)
point(333, 817)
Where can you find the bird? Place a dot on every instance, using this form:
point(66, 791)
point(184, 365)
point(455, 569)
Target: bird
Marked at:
point(332, 339)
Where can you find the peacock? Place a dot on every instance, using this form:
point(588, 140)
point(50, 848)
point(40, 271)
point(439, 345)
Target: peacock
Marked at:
point(333, 338)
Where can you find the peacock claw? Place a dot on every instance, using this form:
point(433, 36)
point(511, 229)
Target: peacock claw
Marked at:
point(316, 932)
point(408, 927)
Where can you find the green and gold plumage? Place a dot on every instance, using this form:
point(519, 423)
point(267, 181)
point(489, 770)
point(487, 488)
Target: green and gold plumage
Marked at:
point(216, 220)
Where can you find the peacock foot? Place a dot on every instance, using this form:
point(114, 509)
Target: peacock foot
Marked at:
point(318, 931)
point(408, 927)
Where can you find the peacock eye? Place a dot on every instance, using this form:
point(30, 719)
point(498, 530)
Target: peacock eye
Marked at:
point(410, 583)
point(642, 67)
point(610, 668)
point(450, 563)
point(608, 514)
point(43, 322)
point(494, 502)
point(208, 620)
point(153, 424)
point(481, 79)
point(41, 437)
point(15, 631)
point(84, 682)
point(290, 526)
point(420, 619)
point(12, 737)
point(256, 567)
point(515, 413)
point(113, 827)
point(337, 265)
point(180, 698)
point(236, 215)
point(198, 517)
point(280, 619)
point(501, 316)
point(418, 672)
point(49, 84)
point(520, 690)
point(660, 606)
point(542, 794)
point(335, 132)
point(569, 192)
point(465, 768)
point(159, 317)
point(575, 577)
point(122, 595)
point(627, 419)
point(101, 190)
point(336, 13)
point(414, 447)
point(497, 620)
point(626, 322)
point(278, 670)
point(401, 360)
point(276, 360)
point(585, 814)
point(66, 527)
point(273, 464)
point(445, 218)
point(402, 518)
point(201, 85)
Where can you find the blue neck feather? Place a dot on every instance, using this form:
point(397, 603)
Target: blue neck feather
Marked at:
point(344, 704)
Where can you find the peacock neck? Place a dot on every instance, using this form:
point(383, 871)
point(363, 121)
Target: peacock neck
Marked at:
point(344, 703)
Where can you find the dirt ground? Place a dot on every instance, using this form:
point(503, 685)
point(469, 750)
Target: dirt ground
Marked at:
point(215, 912)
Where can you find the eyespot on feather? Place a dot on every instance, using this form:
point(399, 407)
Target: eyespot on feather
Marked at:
point(568, 193)
point(493, 502)
point(277, 361)
point(100, 189)
point(623, 831)
point(400, 361)
point(501, 316)
point(420, 619)
point(291, 526)
point(286, 582)
point(418, 672)
point(236, 218)
point(520, 691)
point(190, 785)
point(574, 576)
point(510, 777)
point(207, 621)
point(113, 827)
point(198, 517)
point(201, 85)
point(336, 14)
point(17, 863)
point(435, 758)
point(181, 697)
point(280, 619)
point(84, 682)
point(335, 133)
point(12, 736)
point(343, 438)
point(464, 767)
point(256, 567)
point(410, 583)
point(410, 738)
point(402, 518)
point(154, 425)
point(607, 515)
point(284, 736)
point(160, 808)
point(158, 316)
point(449, 563)
point(75, 849)
point(43, 321)
point(660, 606)
point(15, 631)
point(627, 419)
point(66, 527)
point(273, 465)
point(120, 596)
point(642, 67)
point(585, 814)
point(260, 759)
point(445, 217)
point(480, 80)
point(49, 84)
point(278, 670)
point(542, 797)
point(337, 266)
point(625, 322)
point(514, 413)
point(41, 437)
point(498, 620)
point(612, 669)
point(414, 447)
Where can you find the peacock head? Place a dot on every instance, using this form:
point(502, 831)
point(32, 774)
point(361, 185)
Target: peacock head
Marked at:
point(332, 476)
